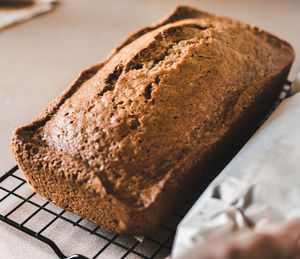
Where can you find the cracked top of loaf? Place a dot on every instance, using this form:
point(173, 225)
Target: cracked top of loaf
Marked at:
point(169, 91)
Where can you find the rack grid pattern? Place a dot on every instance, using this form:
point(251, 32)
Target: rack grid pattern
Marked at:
point(38, 219)
point(25, 210)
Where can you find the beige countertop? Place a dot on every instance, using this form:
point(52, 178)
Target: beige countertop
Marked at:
point(41, 57)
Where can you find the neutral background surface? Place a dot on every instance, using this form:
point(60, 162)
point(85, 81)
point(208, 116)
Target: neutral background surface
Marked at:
point(40, 58)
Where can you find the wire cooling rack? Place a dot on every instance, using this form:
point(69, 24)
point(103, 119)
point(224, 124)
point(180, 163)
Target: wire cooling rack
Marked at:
point(25, 210)
point(68, 234)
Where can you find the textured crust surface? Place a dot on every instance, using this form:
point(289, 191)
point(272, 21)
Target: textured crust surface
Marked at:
point(132, 135)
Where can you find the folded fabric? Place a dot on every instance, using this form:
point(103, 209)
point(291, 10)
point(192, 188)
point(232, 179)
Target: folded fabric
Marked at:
point(15, 11)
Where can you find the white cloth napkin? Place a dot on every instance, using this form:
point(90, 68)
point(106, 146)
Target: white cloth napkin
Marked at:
point(9, 16)
point(263, 180)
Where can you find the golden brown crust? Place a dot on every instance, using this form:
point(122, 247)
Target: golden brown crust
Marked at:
point(131, 135)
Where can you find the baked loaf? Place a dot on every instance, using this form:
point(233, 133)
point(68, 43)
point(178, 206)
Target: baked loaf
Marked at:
point(132, 136)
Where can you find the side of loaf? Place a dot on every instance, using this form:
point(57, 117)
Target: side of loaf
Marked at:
point(133, 136)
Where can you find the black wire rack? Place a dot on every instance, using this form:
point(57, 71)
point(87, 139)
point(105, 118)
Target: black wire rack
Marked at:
point(25, 210)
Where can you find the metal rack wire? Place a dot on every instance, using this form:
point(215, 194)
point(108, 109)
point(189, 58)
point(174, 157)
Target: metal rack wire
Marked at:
point(44, 221)
point(14, 191)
